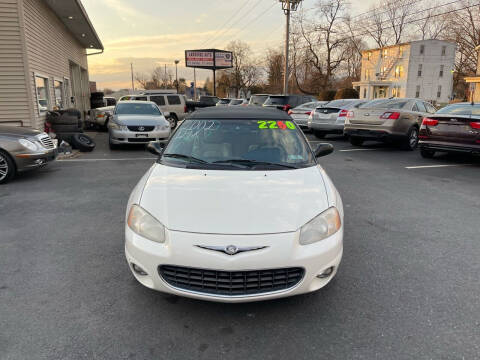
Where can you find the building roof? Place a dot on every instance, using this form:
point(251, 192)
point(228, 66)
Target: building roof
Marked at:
point(73, 15)
point(241, 112)
point(407, 43)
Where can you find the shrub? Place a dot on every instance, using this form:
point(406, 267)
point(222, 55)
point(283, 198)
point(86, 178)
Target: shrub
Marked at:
point(327, 95)
point(347, 93)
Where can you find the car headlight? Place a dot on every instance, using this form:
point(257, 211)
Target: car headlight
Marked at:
point(29, 144)
point(324, 225)
point(113, 125)
point(144, 224)
point(162, 127)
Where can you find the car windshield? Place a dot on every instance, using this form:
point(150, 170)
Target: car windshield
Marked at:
point(224, 101)
point(386, 104)
point(461, 109)
point(238, 145)
point(373, 103)
point(236, 102)
point(137, 109)
point(307, 106)
point(277, 100)
point(258, 99)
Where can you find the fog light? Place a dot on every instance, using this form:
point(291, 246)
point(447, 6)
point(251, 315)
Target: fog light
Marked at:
point(138, 270)
point(326, 273)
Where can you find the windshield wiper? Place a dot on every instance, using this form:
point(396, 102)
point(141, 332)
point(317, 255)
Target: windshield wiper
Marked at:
point(252, 163)
point(186, 157)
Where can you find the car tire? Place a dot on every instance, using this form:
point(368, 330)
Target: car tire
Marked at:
point(427, 154)
point(173, 121)
point(7, 167)
point(82, 142)
point(356, 141)
point(111, 145)
point(411, 142)
point(319, 134)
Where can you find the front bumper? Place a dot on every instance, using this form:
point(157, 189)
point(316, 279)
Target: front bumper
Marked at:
point(134, 137)
point(282, 250)
point(28, 161)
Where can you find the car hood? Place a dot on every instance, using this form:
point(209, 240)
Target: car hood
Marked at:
point(17, 131)
point(139, 120)
point(234, 202)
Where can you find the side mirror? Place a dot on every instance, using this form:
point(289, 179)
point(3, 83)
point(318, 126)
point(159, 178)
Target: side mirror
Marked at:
point(323, 149)
point(166, 114)
point(156, 147)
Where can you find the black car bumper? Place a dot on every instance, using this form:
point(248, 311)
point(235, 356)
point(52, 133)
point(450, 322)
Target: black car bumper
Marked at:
point(440, 146)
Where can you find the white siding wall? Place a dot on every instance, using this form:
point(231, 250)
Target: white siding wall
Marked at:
point(14, 99)
point(50, 48)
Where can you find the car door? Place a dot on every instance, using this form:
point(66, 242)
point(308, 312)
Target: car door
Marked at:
point(160, 101)
point(421, 112)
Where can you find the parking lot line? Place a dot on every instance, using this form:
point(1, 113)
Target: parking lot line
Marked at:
point(91, 160)
point(436, 166)
point(359, 149)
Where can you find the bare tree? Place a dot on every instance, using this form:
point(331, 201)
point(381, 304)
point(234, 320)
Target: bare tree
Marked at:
point(432, 25)
point(274, 68)
point(397, 13)
point(245, 73)
point(159, 78)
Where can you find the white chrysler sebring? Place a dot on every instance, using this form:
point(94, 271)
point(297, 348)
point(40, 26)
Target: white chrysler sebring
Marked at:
point(236, 208)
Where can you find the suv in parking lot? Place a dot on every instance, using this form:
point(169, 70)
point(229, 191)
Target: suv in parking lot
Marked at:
point(395, 120)
point(174, 104)
point(287, 102)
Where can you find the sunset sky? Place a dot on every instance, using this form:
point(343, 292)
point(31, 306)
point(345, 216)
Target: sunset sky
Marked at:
point(150, 33)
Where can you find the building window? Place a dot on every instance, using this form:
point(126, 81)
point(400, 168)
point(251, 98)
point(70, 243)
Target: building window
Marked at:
point(417, 92)
point(399, 71)
point(400, 51)
point(439, 92)
point(420, 68)
point(385, 53)
point(442, 67)
point(444, 50)
point(384, 71)
point(369, 55)
point(422, 49)
point(59, 93)
point(43, 100)
point(365, 93)
point(367, 74)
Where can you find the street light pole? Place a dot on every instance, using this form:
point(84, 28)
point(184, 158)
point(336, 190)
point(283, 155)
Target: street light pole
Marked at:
point(176, 73)
point(133, 84)
point(288, 6)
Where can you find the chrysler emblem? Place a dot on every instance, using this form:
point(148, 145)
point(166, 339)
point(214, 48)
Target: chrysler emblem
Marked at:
point(141, 128)
point(231, 249)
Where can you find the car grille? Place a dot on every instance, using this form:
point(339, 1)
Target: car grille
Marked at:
point(47, 142)
point(230, 283)
point(140, 140)
point(141, 128)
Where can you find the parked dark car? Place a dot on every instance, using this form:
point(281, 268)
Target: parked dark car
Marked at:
point(287, 102)
point(23, 149)
point(204, 101)
point(455, 128)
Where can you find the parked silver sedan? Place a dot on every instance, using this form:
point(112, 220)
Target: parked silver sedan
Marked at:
point(23, 149)
point(301, 113)
point(137, 122)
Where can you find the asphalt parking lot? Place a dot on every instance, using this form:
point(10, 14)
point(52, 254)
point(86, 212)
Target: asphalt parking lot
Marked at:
point(408, 286)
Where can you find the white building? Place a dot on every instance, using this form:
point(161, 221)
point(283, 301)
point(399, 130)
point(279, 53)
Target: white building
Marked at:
point(419, 69)
point(43, 59)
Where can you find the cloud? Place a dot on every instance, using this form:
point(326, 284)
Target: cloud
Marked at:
point(200, 19)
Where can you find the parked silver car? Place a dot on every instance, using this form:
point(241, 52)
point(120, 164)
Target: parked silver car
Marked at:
point(23, 149)
point(301, 113)
point(137, 122)
point(330, 118)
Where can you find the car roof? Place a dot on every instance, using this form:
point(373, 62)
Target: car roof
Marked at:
point(135, 102)
point(247, 113)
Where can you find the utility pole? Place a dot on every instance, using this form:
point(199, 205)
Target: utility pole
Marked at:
point(288, 6)
point(133, 84)
point(194, 84)
point(176, 73)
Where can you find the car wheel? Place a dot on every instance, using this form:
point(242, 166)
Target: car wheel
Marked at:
point(111, 145)
point(356, 141)
point(411, 142)
point(173, 121)
point(427, 154)
point(7, 168)
point(83, 142)
point(319, 134)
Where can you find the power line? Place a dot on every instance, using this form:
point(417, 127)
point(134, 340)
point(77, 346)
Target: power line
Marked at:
point(235, 13)
point(223, 33)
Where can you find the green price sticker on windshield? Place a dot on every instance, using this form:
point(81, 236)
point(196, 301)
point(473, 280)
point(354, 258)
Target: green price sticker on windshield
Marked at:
point(283, 125)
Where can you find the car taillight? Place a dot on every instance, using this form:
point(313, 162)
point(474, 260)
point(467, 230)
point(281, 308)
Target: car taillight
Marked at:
point(290, 112)
point(343, 113)
point(475, 125)
point(286, 107)
point(350, 114)
point(47, 127)
point(429, 122)
point(390, 115)
point(185, 108)
point(308, 113)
